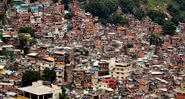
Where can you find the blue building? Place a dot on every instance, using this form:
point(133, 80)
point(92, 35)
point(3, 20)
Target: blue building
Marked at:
point(22, 8)
point(36, 8)
point(17, 2)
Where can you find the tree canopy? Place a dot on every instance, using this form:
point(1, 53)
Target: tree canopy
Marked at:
point(129, 45)
point(63, 94)
point(139, 14)
point(155, 39)
point(116, 45)
point(29, 30)
point(169, 28)
point(32, 1)
point(29, 77)
point(68, 16)
point(117, 19)
point(159, 11)
point(49, 75)
point(65, 2)
point(176, 13)
point(157, 16)
point(9, 55)
point(26, 41)
point(102, 8)
point(23, 43)
point(1, 36)
point(181, 4)
point(127, 6)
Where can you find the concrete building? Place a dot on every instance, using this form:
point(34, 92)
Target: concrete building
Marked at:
point(40, 91)
point(121, 70)
point(68, 72)
point(46, 62)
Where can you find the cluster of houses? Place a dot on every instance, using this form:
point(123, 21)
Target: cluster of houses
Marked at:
point(91, 60)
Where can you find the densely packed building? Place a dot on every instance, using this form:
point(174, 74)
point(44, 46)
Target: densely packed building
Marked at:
point(91, 60)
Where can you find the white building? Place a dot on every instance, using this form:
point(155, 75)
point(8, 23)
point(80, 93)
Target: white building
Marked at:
point(40, 91)
point(119, 70)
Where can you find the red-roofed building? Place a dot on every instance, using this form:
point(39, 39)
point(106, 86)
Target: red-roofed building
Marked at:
point(25, 16)
point(108, 83)
point(75, 10)
point(141, 54)
point(59, 8)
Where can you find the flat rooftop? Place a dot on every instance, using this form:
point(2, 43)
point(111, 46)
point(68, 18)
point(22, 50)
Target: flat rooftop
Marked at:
point(38, 90)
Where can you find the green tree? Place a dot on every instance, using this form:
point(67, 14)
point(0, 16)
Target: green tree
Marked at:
point(29, 10)
point(49, 75)
point(155, 39)
point(112, 5)
point(101, 8)
point(68, 16)
point(9, 55)
point(29, 77)
point(181, 4)
point(176, 14)
point(172, 10)
point(129, 45)
point(26, 41)
point(139, 14)
point(65, 2)
point(9, 1)
point(177, 11)
point(117, 19)
point(23, 43)
point(157, 16)
point(32, 1)
point(116, 45)
point(1, 36)
point(32, 41)
point(97, 9)
point(63, 94)
point(169, 28)
point(127, 6)
point(178, 18)
point(29, 30)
